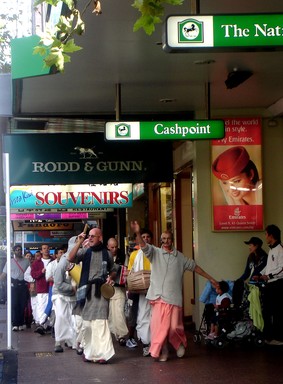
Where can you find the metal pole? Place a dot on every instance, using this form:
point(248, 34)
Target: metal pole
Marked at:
point(207, 100)
point(118, 102)
point(195, 7)
point(118, 116)
point(6, 172)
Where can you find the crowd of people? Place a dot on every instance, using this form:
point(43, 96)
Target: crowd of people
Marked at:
point(78, 314)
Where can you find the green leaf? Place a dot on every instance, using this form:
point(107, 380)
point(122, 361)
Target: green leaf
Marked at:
point(147, 23)
point(70, 46)
point(173, 2)
point(80, 28)
point(80, 25)
point(65, 24)
point(60, 62)
point(150, 7)
point(67, 58)
point(151, 13)
point(51, 2)
point(47, 39)
point(55, 58)
point(58, 42)
point(51, 59)
point(40, 50)
point(70, 4)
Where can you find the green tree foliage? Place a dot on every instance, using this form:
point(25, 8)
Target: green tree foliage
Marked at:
point(56, 45)
point(5, 39)
point(152, 12)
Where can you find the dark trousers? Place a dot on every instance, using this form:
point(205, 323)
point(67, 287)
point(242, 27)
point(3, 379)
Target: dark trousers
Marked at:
point(133, 313)
point(273, 310)
point(19, 301)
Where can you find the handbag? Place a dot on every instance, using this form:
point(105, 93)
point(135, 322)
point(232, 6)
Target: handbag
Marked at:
point(138, 282)
point(138, 279)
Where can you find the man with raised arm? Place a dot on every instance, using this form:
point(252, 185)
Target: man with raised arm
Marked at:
point(97, 268)
point(166, 293)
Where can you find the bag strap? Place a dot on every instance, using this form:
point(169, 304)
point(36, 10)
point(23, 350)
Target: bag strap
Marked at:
point(19, 265)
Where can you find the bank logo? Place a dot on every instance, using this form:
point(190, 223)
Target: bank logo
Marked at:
point(122, 130)
point(190, 30)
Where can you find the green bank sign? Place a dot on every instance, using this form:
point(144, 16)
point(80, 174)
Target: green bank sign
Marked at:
point(223, 32)
point(165, 130)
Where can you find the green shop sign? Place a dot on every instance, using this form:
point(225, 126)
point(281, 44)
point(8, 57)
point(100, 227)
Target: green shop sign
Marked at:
point(222, 32)
point(84, 158)
point(165, 130)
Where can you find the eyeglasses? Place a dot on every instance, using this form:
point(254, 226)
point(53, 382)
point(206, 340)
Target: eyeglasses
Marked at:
point(18, 250)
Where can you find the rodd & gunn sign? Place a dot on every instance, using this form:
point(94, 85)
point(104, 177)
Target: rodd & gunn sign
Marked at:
point(37, 159)
point(88, 166)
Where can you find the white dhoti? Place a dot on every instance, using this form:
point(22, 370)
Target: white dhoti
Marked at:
point(79, 332)
point(97, 340)
point(117, 318)
point(42, 300)
point(143, 320)
point(33, 301)
point(64, 327)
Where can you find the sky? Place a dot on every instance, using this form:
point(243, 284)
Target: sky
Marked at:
point(22, 8)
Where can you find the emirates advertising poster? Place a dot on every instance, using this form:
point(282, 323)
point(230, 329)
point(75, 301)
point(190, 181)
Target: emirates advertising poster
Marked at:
point(236, 168)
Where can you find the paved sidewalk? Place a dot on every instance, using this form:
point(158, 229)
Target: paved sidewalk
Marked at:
point(8, 358)
point(33, 361)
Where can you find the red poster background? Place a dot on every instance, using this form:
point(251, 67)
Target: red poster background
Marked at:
point(245, 132)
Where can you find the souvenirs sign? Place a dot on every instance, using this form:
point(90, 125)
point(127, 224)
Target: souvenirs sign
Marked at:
point(71, 196)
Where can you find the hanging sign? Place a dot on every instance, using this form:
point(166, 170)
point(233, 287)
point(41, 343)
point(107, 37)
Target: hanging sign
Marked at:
point(223, 32)
point(85, 159)
point(35, 226)
point(165, 130)
point(41, 211)
point(71, 196)
point(48, 216)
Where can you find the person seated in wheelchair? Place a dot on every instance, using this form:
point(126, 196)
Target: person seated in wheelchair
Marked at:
point(221, 309)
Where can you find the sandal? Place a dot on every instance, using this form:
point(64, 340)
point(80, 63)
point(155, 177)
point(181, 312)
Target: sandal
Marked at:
point(122, 341)
point(80, 351)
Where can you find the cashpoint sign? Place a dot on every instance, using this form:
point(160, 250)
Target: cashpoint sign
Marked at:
point(165, 130)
